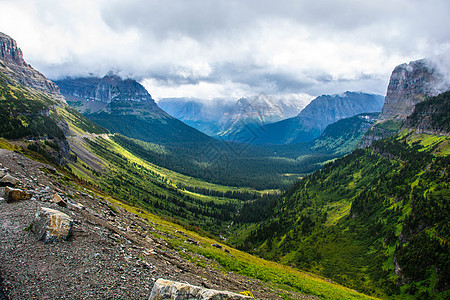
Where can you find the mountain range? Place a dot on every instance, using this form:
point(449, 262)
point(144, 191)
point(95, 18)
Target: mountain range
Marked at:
point(220, 118)
point(123, 106)
point(313, 119)
point(375, 220)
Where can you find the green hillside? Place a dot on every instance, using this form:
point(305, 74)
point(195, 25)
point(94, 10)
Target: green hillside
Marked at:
point(100, 166)
point(343, 136)
point(375, 220)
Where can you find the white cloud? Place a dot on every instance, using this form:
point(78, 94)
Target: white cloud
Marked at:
point(214, 48)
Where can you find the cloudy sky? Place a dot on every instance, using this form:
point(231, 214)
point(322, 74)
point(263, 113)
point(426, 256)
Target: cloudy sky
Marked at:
point(231, 48)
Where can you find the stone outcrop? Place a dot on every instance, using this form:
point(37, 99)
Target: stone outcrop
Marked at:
point(51, 225)
point(12, 195)
point(167, 289)
point(410, 84)
point(14, 66)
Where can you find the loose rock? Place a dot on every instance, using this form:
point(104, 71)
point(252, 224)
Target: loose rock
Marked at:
point(58, 200)
point(3, 172)
point(12, 195)
point(217, 246)
point(191, 241)
point(51, 225)
point(9, 180)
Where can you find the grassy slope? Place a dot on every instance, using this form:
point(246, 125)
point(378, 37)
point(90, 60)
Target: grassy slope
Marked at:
point(281, 277)
point(345, 221)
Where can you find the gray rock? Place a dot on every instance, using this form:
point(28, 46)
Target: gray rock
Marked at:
point(167, 289)
point(51, 225)
point(58, 200)
point(12, 195)
point(191, 241)
point(217, 246)
point(9, 180)
point(412, 83)
point(3, 172)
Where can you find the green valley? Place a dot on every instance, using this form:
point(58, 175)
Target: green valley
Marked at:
point(375, 220)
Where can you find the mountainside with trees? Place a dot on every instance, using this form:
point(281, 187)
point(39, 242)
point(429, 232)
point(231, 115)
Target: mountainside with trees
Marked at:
point(375, 220)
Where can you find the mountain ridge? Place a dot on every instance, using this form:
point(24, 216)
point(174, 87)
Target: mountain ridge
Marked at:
point(376, 219)
point(221, 118)
point(319, 113)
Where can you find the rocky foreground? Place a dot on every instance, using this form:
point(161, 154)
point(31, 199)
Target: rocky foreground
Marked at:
point(108, 253)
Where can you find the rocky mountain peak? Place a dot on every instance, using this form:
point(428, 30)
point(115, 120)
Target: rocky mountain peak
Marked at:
point(410, 84)
point(14, 66)
point(332, 108)
point(107, 89)
point(10, 52)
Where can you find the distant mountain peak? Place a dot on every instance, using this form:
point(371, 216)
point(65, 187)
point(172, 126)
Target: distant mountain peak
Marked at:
point(97, 93)
point(317, 115)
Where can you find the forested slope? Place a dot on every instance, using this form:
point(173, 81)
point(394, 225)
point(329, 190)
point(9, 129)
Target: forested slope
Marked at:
point(375, 220)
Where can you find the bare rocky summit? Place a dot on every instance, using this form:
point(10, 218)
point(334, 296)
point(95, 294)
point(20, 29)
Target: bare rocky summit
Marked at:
point(410, 84)
point(14, 66)
point(109, 93)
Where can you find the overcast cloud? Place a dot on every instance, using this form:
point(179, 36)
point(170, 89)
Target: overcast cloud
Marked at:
point(233, 48)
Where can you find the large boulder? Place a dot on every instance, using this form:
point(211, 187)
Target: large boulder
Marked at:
point(51, 225)
point(167, 289)
point(12, 195)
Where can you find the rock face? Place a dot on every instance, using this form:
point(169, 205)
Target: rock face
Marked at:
point(412, 83)
point(51, 225)
point(12, 195)
point(92, 94)
point(14, 66)
point(167, 289)
point(409, 85)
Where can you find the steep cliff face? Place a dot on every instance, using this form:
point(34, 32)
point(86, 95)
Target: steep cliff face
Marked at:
point(32, 110)
point(107, 89)
point(14, 66)
point(410, 84)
